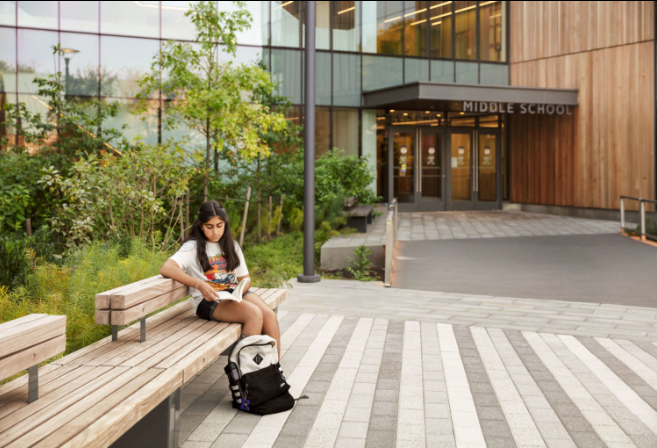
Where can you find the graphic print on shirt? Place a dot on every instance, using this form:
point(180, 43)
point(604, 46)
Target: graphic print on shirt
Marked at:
point(218, 277)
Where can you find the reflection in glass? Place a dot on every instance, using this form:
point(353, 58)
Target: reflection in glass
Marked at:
point(383, 26)
point(467, 72)
point(381, 154)
point(491, 31)
point(258, 32)
point(494, 74)
point(431, 167)
point(323, 78)
point(346, 79)
point(79, 16)
point(369, 143)
point(285, 23)
point(245, 55)
point(466, 30)
point(488, 121)
point(345, 25)
point(487, 168)
point(38, 105)
point(322, 130)
point(8, 60)
point(322, 25)
point(416, 70)
point(286, 72)
point(440, 29)
point(442, 71)
point(380, 72)
point(174, 23)
point(35, 57)
point(461, 179)
point(124, 61)
point(8, 13)
point(460, 119)
point(146, 129)
point(415, 29)
point(37, 14)
point(6, 131)
point(130, 18)
point(403, 169)
point(194, 140)
point(79, 64)
point(345, 130)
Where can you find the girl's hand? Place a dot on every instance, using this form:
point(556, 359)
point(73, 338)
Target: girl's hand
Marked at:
point(208, 293)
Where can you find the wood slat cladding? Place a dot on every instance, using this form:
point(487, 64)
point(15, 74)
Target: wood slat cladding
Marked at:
point(546, 29)
point(606, 148)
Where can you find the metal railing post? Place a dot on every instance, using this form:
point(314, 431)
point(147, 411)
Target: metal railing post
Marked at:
point(642, 208)
point(622, 213)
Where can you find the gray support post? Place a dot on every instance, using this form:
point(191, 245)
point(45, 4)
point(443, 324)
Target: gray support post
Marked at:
point(142, 329)
point(642, 208)
point(115, 332)
point(33, 383)
point(622, 213)
point(309, 275)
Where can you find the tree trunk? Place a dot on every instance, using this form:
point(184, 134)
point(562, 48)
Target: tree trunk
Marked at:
point(258, 189)
point(207, 162)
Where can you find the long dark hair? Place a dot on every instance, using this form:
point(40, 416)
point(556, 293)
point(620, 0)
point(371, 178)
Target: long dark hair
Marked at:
point(227, 244)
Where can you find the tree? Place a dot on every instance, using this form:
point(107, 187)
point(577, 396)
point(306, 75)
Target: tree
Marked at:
point(212, 98)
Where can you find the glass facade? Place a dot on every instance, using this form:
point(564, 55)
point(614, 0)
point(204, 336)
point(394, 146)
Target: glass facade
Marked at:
point(362, 46)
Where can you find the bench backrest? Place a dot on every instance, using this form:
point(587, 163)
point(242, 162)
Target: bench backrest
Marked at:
point(128, 303)
point(29, 340)
point(350, 202)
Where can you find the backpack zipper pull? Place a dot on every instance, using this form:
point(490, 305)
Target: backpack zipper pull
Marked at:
point(303, 397)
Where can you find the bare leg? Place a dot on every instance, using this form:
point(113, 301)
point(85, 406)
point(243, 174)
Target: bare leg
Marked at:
point(244, 312)
point(269, 319)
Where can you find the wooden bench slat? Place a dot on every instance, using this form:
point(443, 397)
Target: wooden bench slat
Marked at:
point(102, 317)
point(193, 362)
point(185, 347)
point(51, 402)
point(134, 346)
point(77, 407)
point(143, 293)
point(46, 386)
point(112, 425)
point(31, 333)
point(104, 299)
point(12, 364)
point(124, 317)
point(114, 348)
point(72, 428)
point(152, 357)
point(20, 321)
point(132, 331)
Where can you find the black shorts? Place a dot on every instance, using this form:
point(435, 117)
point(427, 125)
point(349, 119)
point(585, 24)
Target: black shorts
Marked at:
point(205, 309)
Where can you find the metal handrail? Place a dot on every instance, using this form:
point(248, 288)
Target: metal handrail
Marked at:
point(642, 214)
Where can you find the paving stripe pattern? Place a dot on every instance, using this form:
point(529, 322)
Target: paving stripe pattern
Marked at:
point(383, 383)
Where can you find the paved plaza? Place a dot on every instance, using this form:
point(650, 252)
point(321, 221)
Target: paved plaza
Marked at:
point(389, 367)
point(495, 224)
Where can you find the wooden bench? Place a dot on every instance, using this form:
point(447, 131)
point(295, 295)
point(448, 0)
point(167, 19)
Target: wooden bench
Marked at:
point(27, 341)
point(359, 217)
point(123, 390)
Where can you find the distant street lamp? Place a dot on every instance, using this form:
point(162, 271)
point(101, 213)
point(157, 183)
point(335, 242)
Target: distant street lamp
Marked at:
point(68, 55)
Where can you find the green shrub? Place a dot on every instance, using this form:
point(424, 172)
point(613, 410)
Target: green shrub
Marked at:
point(360, 264)
point(18, 253)
point(70, 288)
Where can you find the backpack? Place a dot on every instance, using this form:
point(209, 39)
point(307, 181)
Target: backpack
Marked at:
point(255, 377)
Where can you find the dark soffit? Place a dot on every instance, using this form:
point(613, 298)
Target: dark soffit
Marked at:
point(424, 93)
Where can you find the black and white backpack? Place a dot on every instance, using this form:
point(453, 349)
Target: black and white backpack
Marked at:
point(256, 378)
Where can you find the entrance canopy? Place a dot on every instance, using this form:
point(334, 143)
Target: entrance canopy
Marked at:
point(433, 95)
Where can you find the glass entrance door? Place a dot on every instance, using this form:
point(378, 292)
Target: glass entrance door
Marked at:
point(418, 178)
point(474, 167)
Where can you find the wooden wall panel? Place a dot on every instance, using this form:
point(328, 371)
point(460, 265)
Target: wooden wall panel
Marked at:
point(606, 148)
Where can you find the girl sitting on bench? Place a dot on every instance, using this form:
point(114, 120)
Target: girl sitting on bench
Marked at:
point(210, 260)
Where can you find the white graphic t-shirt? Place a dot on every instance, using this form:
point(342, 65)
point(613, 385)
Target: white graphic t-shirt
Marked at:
point(218, 277)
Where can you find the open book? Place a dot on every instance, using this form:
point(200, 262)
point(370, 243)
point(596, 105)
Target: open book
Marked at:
point(236, 295)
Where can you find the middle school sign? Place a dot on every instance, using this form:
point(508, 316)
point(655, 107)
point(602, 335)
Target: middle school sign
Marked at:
point(516, 108)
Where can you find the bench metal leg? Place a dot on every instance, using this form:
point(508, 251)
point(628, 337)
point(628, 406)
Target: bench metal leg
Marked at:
point(158, 429)
point(33, 383)
point(276, 311)
point(142, 329)
point(115, 332)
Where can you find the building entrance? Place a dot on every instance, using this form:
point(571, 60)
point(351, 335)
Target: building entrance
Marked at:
point(435, 169)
